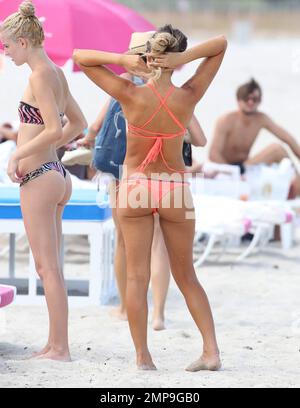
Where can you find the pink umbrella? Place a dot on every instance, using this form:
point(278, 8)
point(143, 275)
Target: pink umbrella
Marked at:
point(92, 24)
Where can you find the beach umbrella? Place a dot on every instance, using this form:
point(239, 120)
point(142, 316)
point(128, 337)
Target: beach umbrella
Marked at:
point(93, 24)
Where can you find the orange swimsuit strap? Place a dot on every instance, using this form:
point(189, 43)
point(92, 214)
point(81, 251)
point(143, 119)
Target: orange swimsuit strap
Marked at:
point(140, 131)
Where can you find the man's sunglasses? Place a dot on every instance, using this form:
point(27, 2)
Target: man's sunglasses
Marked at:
point(255, 99)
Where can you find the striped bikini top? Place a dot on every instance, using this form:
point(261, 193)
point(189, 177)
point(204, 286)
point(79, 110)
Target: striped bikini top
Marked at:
point(31, 114)
point(157, 148)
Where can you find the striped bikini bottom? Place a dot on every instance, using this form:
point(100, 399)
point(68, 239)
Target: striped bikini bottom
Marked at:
point(56, 165)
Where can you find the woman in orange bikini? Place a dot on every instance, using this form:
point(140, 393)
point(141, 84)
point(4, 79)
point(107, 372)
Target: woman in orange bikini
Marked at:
point(158, 114)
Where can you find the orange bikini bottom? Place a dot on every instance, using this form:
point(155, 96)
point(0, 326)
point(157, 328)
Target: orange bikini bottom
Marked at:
point(157, 188)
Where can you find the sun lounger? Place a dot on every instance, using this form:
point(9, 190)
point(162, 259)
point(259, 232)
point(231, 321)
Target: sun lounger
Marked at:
point(222, 219)
point(224, 206)
point(83, 215)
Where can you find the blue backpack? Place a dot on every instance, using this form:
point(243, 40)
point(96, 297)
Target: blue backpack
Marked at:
point(110, 143)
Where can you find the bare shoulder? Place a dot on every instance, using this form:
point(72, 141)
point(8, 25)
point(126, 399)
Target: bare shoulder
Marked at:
point(263, 118)
point(43, 76)
point(186, 97)
point(227, 120)
point(38, 76)
point(59, 72)
point(185, 90)
point(62, 79)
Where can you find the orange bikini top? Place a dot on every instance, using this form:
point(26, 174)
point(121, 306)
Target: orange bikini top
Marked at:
point(156, 149)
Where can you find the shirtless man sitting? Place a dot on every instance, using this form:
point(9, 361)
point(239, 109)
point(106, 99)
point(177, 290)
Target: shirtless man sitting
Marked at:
point(236, 132)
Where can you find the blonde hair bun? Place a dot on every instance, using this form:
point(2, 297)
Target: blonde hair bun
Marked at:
point(26, 9)
point(161, 42)
point(24, 24)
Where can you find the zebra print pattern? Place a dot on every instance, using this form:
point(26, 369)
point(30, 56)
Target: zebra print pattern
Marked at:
point(57, 165)
point(31, 114)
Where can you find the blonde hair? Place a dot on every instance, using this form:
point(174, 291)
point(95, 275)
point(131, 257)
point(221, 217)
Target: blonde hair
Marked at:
point(25, 24)
point(158, 44)
point(166, 39)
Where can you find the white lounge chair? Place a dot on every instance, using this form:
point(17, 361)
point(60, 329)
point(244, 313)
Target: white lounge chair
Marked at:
point(223, 219)
point(222, 216)
point(83, 215)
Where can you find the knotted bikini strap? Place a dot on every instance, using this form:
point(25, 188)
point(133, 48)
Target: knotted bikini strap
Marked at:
point(163, 104)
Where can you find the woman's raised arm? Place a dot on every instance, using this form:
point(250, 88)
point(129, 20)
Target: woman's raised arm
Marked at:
point(212, 50)
point(92, 63)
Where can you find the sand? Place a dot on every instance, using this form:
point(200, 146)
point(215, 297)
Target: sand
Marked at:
point(256, 308)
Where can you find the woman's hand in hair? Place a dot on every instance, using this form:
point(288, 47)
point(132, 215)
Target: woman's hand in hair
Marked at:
point(134, 64)
point(169, 60)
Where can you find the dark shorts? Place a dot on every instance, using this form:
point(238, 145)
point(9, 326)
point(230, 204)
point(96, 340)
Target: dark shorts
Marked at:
point(241, 166)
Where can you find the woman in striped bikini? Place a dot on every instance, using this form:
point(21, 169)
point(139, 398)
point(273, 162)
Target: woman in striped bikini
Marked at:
point(45, 186)
point(158, 114)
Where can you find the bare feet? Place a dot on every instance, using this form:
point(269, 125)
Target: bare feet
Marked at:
point(158, 324)
point(40, 353)
point(205, 363)
point(147, 367)
point(119, 313)
point(55, 355)
point(145, 362)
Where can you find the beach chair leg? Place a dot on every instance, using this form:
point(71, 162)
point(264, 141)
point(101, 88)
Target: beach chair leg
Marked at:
point(11, 250)
point(267, 235)
point(286, 234)
point(114, 291)
point(105, 268)
point(109, 289)
point(12, 255)
point(211, 242)
point(198, 235)
point(225, 245)
point(32, 284)
point(197, 245)
point(255, 240)
point(97, 266)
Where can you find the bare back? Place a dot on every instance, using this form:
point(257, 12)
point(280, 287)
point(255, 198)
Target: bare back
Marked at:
point(145, 104)
point(140, 103)
point(27, 132)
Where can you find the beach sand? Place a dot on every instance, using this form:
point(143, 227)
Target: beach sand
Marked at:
point(256, 307)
